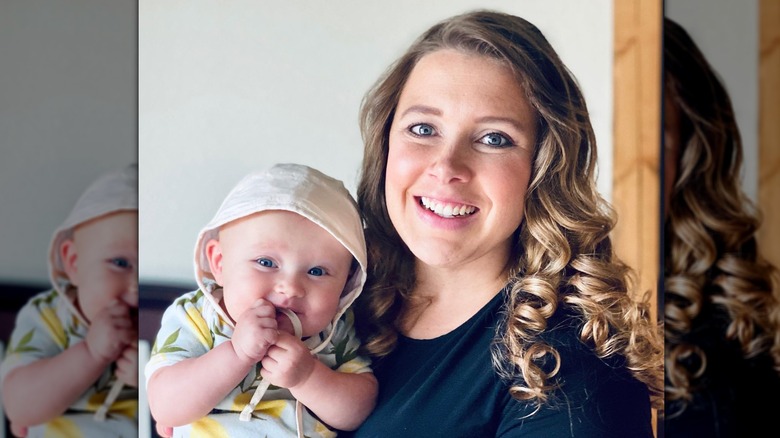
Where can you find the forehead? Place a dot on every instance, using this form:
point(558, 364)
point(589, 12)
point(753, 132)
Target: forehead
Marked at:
point(119, 224)
point(453, 76)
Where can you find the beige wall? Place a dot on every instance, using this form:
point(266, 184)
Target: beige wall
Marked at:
point(225, 90)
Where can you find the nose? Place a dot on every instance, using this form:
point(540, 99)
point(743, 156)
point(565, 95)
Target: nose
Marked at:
point(130, 296)
point(288, 287)
point(450, 162)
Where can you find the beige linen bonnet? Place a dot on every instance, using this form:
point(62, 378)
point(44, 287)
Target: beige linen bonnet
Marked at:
point(110, 193)
point(299, 189)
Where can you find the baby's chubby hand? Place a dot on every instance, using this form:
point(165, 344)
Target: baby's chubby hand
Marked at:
point(288, 362)
point(110, 332)
point(256, 330)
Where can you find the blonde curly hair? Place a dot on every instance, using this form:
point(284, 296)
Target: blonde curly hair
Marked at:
point(562, 251)
point(711, 262)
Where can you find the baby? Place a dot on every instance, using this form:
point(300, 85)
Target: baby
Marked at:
point(72, 364)
point(278, 267)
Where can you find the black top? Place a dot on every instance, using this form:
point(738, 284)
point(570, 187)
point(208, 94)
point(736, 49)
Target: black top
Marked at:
point(447, 387)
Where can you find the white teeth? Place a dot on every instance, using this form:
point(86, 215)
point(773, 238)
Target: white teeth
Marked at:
point(447, 210)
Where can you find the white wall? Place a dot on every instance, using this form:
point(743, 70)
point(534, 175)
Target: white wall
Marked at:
point(727, 33)
point(68, 78)
point(230, 87)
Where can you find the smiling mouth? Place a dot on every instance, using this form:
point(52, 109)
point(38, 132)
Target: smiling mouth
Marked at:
point(447, 210)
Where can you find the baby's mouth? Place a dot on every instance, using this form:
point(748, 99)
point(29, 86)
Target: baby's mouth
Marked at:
point(291, 324)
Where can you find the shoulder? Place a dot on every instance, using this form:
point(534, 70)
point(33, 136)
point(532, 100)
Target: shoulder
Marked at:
point(46, 299)
point(191, 305)
point(193, 298)
point(49, 309)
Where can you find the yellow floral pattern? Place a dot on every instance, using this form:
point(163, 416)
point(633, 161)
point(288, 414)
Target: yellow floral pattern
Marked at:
point(45, 327)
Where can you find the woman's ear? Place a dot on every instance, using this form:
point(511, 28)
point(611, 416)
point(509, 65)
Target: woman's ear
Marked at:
point(69, 258)
point(214, 256)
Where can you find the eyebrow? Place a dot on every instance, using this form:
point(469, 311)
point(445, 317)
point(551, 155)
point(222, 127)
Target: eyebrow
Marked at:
point(515, 123)
point(424, 109)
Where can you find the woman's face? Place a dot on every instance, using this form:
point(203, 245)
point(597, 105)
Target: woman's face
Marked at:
point(459, 161)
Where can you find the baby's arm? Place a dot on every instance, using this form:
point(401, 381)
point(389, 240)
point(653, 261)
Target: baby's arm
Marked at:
point(342, 400)
point(44, 389)
point(188, 390)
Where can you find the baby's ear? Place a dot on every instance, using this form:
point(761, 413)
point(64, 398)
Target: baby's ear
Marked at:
point(214, 256)
point(69, 259)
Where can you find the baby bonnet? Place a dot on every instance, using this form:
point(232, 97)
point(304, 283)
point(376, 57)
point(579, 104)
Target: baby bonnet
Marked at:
point(110, 193)
point(300, 189)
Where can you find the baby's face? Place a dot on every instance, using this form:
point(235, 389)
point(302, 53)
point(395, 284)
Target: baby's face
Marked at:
point(106, 261)
point(286, 259)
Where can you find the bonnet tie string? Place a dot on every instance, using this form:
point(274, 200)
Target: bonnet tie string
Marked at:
point(246, 413)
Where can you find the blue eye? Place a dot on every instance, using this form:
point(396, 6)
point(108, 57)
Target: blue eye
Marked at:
point(422, 129)
point(120, 262)
point(495, 139)
point(267, 263)
point(317, 272)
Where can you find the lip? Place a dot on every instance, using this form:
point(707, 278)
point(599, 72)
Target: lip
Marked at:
point(284, 323)
point(446, 222)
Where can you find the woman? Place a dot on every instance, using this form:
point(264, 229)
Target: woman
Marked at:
point(722, 338)
point(495, 305)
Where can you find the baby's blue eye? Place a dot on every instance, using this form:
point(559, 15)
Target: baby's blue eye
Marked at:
point(495, 139)
point(120, 262)
point(422, 129)
point(317, 272)
point(265, 262)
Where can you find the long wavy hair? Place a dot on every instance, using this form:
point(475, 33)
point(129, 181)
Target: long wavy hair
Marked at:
point(562, 250)
point(711, 255)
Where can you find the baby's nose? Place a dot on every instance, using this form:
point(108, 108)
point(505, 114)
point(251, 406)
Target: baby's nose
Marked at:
point(130, 297)
point(289, 287)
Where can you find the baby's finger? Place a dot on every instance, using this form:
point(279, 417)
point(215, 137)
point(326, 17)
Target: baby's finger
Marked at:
point(269, 366)
point(127, 378)
point(122, 323)
point(260, 302)
point(164, 431)
point(130, 354)
point(263, 313)
point(264, 308)
point(118, 309)
point(18, 431)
